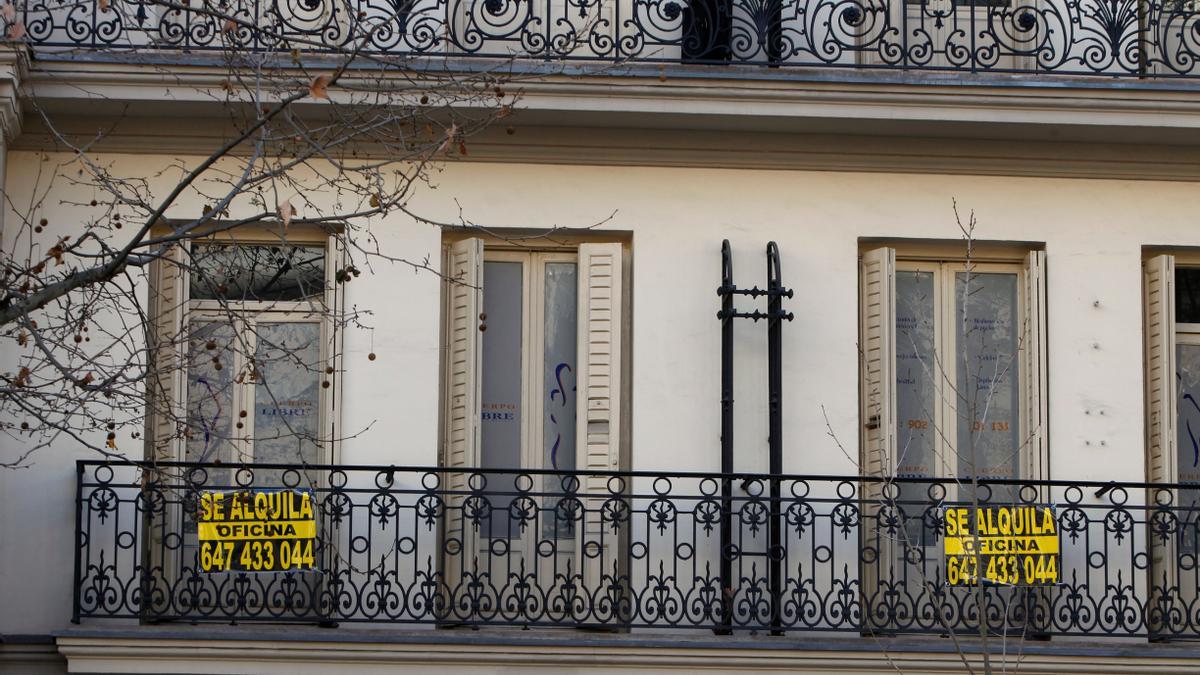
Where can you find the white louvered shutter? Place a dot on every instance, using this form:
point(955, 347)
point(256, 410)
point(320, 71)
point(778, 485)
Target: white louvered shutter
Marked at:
point(463, 349)
point(878, 356)
point(878, 306)
point(1035, 452)
point(1035, 456)
point(168, 307)
point(1159, 283)
point(167, 392)
point(598, 404)
point(1161, 409)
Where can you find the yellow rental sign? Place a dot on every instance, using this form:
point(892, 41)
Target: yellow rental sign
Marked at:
point(1004, 545)
point(256, 530)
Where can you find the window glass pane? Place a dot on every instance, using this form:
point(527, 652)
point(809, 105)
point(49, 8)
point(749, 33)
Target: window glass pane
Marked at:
point(558, 381)
point(500, 417)
point(257, 272)
point(1187, 363)
point(915, 394)
point(288, 374)
point(1187, 294)
point(210, 411)
point(210, 373)
point(986, 338)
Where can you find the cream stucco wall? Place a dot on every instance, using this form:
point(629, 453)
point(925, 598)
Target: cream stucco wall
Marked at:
point(1093, 232)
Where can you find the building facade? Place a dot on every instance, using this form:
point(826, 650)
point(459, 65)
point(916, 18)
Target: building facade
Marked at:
point(714, 333)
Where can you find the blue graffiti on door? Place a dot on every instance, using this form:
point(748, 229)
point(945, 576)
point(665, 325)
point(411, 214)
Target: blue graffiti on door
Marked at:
point(558, 393)
point(209, 426)
point(1189, 409)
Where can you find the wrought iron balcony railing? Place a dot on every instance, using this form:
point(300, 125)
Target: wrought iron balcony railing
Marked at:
point(1117, 38)
point(630, 550)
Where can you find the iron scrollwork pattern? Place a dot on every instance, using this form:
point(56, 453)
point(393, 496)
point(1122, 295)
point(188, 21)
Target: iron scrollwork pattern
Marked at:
point(1115, 38)
point(397, 545)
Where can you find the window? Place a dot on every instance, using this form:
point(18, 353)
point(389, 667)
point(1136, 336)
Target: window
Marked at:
point(953, 376)
point(528, 370)
point(1187, 369)
point(532, 354)
point(1173, 346)
point(953, 386)
point(1187, 374)
point(244, 353)
point(1172, 354)
point(957, 371)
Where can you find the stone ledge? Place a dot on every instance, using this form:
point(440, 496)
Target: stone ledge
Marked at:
point(302, 649)
point(30, 655)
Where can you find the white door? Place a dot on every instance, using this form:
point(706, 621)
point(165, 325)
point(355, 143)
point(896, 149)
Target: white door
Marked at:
point(528, 424)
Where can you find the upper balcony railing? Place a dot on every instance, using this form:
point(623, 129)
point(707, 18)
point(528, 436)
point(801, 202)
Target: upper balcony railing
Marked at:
point(632, 550)
point(1113, 38)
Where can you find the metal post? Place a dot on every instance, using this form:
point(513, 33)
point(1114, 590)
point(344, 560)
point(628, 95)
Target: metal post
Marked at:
point(726, 315)
point(776, 551)
point(75, 600)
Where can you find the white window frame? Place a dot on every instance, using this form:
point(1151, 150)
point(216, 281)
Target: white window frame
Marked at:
point(602, 402)
point(176, 310)
point(171, 311)
point(533, 339)
point(463, 276)
point(247, 316)
point(1162, 335)
point(877, 385)
point(944, 371)
point(878, 350)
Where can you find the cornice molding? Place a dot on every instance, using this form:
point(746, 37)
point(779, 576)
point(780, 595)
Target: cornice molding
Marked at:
point(14, 64)
point(839, 152)
point(880, 124)
point(1069, 102)
point(704, 149)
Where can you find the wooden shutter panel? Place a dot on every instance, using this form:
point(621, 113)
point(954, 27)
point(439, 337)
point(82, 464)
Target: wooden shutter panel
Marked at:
point(878, 307)
point(1158, 274)
point(878, 357)
point(464, 282)
point(1035, 420)
point(166, 403)
point(598, 406)
point(1159, 289)
point(168, 307)
point(1035, 455)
